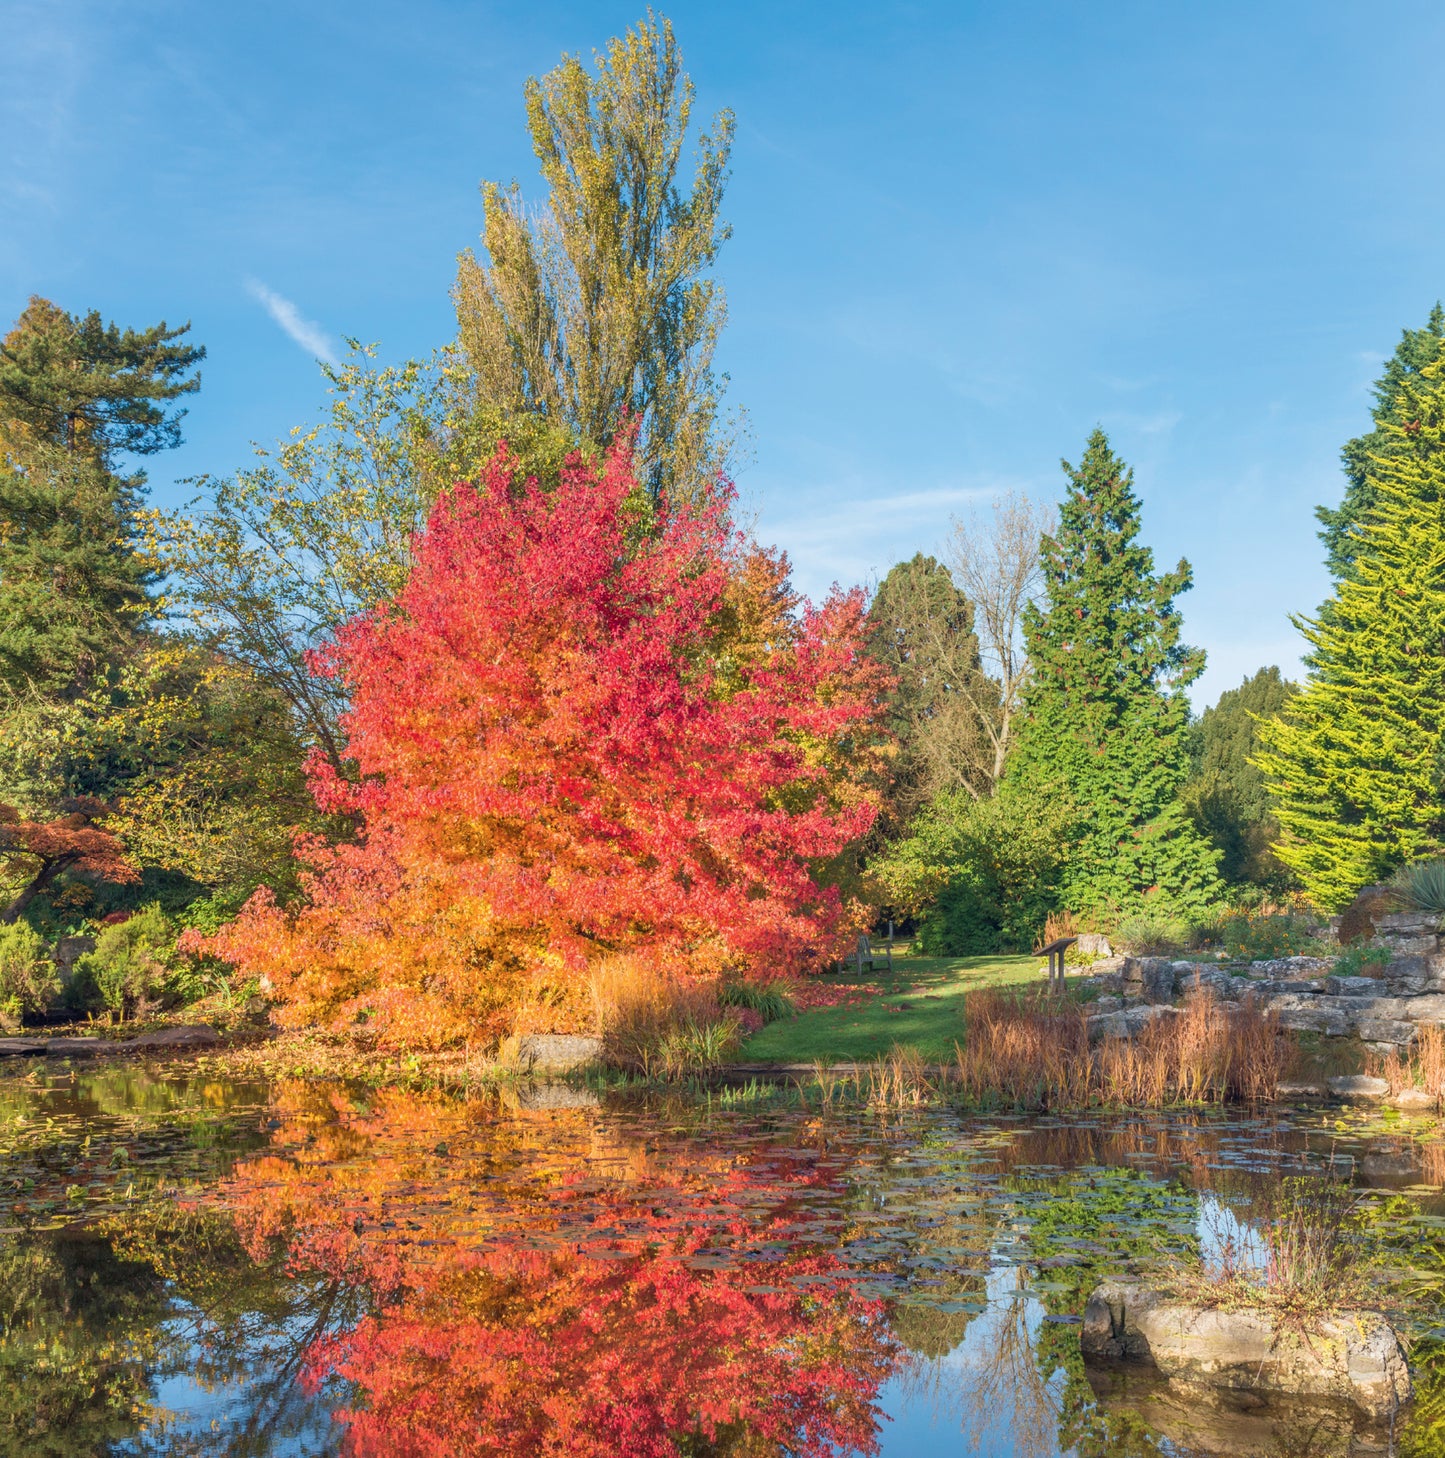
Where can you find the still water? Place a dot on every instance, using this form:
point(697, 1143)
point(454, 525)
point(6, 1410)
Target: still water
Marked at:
point(195, 1265)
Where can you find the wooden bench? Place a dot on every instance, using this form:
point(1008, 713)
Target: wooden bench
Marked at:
point(865, 953)
point(1055, 953)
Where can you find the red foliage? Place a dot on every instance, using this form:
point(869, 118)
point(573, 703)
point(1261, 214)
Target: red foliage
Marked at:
point(573, 743)
point(40, 850)
point(563, 1319)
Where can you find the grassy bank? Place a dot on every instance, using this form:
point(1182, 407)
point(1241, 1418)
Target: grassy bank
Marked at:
point(919, 1005)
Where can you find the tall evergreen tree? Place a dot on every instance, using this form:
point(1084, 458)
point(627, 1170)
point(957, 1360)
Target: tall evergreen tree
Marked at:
point(1357, 762)
point(599, 306)
point(75, 393)
point(920, 627)
point(1106, 722)
point(1343, 531)
point(1226, 792)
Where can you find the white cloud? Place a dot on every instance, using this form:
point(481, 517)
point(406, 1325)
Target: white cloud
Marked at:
point(311, 337)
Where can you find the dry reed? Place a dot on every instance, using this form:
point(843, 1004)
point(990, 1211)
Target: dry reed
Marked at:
point(653, 1023)
point(1423, 1067)
point(1034, 1053)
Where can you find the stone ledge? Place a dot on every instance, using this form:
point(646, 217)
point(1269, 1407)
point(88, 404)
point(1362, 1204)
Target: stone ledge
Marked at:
point(1353, 1356)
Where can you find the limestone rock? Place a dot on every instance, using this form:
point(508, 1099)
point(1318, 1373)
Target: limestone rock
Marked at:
point(1358, 1086)
point(1095, 943)
point(1386, 1030)
point(1364, 913)
point(557, 1052)
point(1308, 1018)
point(1128, 1022)
point(1151, 978)
point(1354, 1356)
point(14, 1046)
point(1299, 1089)
point(1352, 986)
point(190, 1035)
point(1413, 1101)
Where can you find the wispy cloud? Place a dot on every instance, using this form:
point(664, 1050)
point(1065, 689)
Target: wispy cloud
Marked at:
point(311, 337)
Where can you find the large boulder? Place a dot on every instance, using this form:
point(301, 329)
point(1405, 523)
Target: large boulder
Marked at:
point(1363, 914)
point(1353, 1356)
point(1149, 978)
point(557, 1052)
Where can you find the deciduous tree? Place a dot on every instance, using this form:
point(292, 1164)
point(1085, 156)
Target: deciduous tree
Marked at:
point(597, 307)
point(34, 852)
point(562, 759)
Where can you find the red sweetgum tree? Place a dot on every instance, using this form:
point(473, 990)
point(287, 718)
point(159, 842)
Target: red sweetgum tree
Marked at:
point(573, 744)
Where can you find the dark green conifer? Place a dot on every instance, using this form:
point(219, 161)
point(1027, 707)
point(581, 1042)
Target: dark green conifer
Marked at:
point(74, 581)
point(1106, 721)
point(1226, 793)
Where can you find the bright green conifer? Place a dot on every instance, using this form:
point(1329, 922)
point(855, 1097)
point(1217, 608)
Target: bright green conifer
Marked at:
point(1106, 721)
point(1355, 763)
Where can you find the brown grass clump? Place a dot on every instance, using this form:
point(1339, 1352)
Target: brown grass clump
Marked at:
point(1034, 1052)
point(656, 1024)
point(1422, 1067)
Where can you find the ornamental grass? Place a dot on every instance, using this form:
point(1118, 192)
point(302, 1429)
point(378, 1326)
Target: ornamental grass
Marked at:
point(1034, 1052)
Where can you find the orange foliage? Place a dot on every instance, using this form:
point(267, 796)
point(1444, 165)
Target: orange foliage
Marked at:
point(40, 850)
point(558, 1318)
point(575, 741)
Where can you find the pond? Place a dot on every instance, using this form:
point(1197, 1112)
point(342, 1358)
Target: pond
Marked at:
point(191, 1264)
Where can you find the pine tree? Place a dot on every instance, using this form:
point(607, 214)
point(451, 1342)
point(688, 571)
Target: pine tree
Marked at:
point(1343, 528)
point(1357, 762)
point(1226, 793)
point(1106, 722)
point(74, 394)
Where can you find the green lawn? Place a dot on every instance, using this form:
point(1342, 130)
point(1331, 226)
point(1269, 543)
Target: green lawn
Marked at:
point(921, 1004)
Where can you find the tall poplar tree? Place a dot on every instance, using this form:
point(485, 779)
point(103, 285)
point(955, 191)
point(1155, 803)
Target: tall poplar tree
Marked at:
point(1106, 722)
point(598, 306)
point(1356, 763)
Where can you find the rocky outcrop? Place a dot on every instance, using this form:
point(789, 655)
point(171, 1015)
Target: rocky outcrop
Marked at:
point(1353, 1356)
point(186, 1036)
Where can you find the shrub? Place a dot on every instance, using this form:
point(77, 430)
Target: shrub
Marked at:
point(1361, 961)
point(981, 875)
point(1421, 886)
point(1262, 934)
point(132, 964)
point(1153, 932)
point(770, 1000)
point(27, 975)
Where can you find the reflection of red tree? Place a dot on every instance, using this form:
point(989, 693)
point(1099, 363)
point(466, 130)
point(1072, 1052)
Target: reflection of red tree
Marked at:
point(547, 1320)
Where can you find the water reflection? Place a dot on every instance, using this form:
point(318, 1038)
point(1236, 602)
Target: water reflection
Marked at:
point(191, 1266)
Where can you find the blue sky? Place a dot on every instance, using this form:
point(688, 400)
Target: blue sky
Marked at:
point(964, 234)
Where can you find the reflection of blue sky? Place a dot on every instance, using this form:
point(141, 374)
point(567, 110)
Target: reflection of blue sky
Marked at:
point(986, 1397)
point(1225, 1238)
point(267, 1412)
